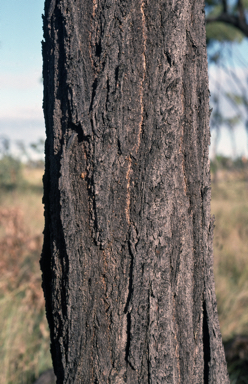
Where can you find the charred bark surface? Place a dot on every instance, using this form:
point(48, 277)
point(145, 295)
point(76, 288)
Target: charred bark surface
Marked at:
point(127, 257)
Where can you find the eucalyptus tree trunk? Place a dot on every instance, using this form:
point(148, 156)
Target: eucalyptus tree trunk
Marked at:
point(127, 260)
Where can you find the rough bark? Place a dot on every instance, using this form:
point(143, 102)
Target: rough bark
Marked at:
point(127, 259)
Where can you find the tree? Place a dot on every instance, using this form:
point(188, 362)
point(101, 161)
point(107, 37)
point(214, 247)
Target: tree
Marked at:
point(226, 28)
point(228, 14)
point(127, 259)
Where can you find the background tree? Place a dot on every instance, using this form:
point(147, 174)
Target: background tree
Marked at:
point(232, 16)
point(127, 256)
point(226, 28)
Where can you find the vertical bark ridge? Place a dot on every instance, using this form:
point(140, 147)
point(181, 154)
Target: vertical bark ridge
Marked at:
point(143, 75)
point(127, 256)
point(128, 190)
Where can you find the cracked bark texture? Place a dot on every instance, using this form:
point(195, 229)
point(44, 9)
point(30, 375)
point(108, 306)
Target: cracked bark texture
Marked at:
point(127, 259)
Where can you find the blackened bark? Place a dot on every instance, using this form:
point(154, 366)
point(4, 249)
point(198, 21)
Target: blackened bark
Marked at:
point(127, 260)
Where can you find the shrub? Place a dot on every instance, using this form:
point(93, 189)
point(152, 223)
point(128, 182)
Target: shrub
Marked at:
point(10, 172)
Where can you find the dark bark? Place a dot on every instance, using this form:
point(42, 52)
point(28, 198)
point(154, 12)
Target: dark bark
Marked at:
point(127, 260)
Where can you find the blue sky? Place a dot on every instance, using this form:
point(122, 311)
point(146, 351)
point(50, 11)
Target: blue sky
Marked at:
point(21, 116)
point(233, 79)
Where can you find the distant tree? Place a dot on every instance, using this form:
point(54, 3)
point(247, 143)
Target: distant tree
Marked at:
point(10, 166)
point(231, 17)
point(227, 27)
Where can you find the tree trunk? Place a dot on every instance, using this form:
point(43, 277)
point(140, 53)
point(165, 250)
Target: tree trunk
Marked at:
point(127, 259)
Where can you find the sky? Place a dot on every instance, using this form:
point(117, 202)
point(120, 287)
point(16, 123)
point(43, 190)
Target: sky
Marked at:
point(231, 142)
point(21, 116)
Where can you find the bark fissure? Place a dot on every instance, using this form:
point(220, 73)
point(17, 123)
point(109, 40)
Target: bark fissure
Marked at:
point(143, 75)
point(206, 344)
point(128, 190)
point(128, 340)
point(127, 306)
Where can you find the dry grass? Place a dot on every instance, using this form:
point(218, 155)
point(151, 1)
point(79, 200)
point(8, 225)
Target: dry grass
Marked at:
point(24, 336)
point(230, 207)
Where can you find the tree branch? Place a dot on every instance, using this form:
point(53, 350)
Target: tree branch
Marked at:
point(240, 7)
point(236, 21)
point(224, 3)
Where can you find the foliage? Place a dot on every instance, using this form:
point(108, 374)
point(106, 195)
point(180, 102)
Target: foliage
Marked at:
point(219, 31)
point(223, 33)
point(38, 147)
point(10, 172)
point(225, 21)
point(11, 167)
